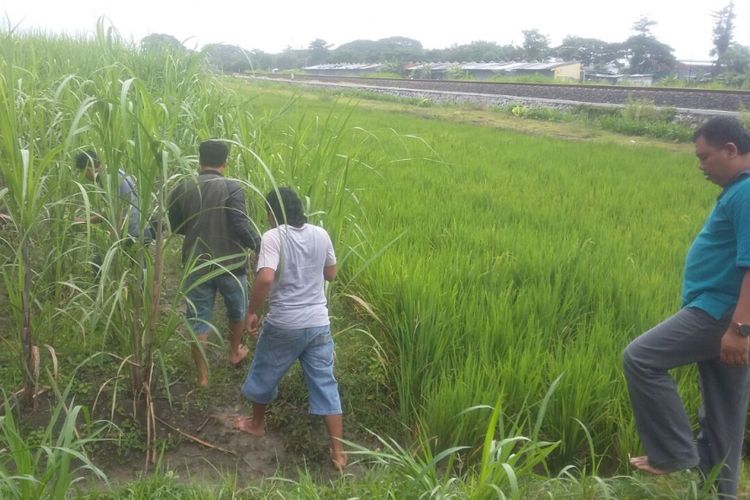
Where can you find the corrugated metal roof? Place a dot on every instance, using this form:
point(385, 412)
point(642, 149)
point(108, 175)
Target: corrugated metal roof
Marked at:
point(510, 66)
point(543, 65)
point(443, 66)
point(343, 66)
point(619, 75)
point(492, 66)
point(702, 64)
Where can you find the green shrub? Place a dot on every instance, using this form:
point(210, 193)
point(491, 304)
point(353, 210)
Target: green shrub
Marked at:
point(645, 110)
point(538, 113)
point(676, 132)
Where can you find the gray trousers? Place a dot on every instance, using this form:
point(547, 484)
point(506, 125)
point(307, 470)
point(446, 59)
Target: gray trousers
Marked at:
point(690, 336)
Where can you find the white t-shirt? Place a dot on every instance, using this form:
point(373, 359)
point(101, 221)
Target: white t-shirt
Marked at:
point(298, 256)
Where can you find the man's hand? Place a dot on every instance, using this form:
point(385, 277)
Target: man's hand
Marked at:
point(252, 324)
point(258, 295)
point(735, 349)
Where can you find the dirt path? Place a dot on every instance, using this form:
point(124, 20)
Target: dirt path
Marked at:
point(230, 451)
point(208, 450)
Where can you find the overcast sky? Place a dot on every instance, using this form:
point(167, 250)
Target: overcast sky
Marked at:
point(273, 25)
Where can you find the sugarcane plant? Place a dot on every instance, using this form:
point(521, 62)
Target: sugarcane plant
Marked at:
point(27, 198)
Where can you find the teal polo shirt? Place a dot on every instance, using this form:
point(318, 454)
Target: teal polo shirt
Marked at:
point(720, 254)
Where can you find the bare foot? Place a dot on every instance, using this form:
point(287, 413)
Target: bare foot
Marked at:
point(339, 460)
point(641, 463)
point(235, 358)
point(249, 425)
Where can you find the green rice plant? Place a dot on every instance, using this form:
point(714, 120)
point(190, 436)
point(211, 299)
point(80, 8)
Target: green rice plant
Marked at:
point(506, 272)
point(509, 462)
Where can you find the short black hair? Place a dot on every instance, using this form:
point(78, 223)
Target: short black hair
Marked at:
point(292, 207)
point(721, 130)
point(213, 153)
point(87, 158)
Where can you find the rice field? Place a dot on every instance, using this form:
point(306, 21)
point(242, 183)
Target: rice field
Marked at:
point(497, 274)
point(507, 260)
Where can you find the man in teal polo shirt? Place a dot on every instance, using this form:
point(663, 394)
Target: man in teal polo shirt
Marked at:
point(712, 330)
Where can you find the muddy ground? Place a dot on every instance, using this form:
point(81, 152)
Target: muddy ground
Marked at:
point(195, 438)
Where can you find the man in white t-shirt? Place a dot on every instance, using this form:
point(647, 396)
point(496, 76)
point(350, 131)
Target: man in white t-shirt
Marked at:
point(294, 261)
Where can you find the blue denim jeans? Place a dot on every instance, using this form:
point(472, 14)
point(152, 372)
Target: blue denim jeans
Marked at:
point(201, 297)
point(278, 349)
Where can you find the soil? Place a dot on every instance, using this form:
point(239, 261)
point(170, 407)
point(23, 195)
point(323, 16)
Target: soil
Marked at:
point(197, 442)
point(226, 450)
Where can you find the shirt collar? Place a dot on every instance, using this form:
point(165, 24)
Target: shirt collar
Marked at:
point(737, 178)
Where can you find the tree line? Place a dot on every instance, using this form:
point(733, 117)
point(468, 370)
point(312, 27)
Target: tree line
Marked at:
point(641, 53)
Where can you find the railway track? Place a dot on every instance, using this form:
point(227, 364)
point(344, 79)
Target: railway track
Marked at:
point(699, 101)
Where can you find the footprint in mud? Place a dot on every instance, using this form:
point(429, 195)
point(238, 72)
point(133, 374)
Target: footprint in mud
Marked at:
point(224, 449)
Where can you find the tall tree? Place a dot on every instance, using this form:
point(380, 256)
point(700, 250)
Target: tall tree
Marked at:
point(399, 49)
point(227, 58)
point(357, 51)
point(395, 50)
point(291, 58)
point(646, 54)
point(318, 51)
point(723, 34)
point(737, 60)
point(643, 26)
point(260, 61)
point(479, 50)
point(535, 45)
point(591, 52)
point(159, 42)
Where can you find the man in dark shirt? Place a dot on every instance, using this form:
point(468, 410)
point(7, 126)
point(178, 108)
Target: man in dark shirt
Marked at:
point(210, 212)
